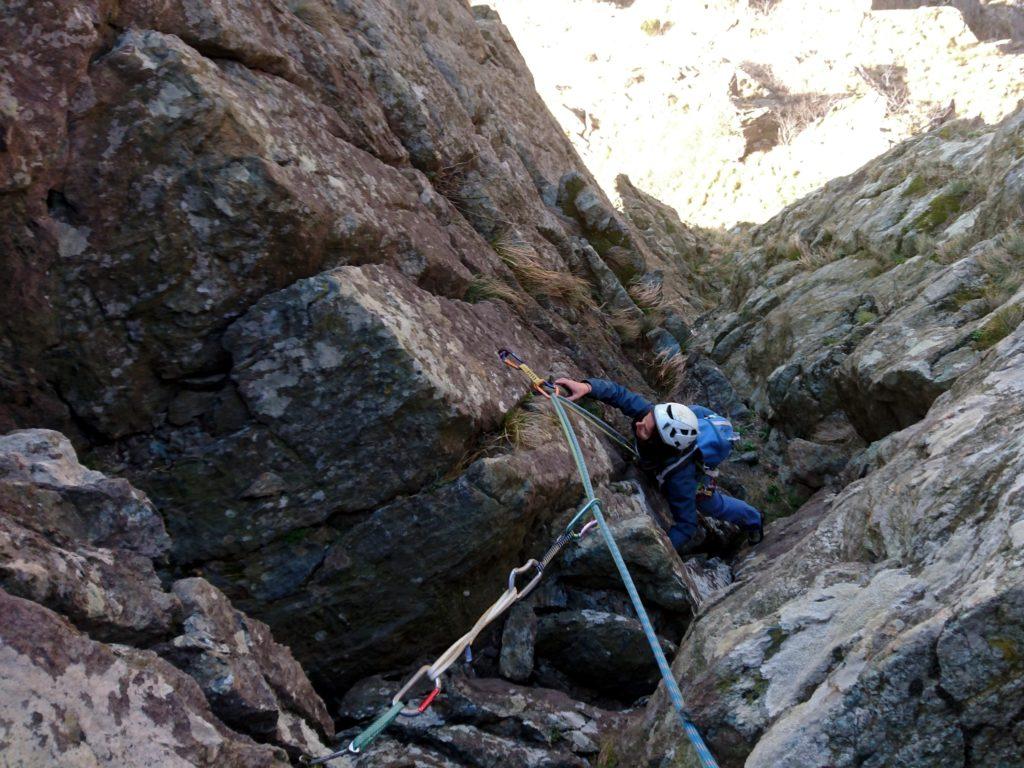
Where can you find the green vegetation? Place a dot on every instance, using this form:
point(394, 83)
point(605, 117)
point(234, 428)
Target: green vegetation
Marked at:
point(918, 185)
point(865, 316)
point(943, 206)
point(966, 295)
point(998, 326)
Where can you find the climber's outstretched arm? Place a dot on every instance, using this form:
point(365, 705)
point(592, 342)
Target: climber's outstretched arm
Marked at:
point(630, 403)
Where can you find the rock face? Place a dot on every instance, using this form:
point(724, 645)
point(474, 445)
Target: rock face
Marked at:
point(261, 260)
point(851, 647)
point(74, 691)
point(870, 298)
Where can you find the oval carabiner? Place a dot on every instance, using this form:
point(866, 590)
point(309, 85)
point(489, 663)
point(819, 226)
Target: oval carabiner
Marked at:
point(531, 563)
point(428, 699)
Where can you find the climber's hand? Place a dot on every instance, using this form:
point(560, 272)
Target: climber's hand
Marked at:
point(577, 389)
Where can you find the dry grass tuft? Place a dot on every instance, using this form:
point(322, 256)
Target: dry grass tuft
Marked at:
point(485, 288)
point(527, 428)
point(537, 279)
point(1005, 268)
point(647, 294)
point(312, 13)
point(627, 322)
point(669, 370)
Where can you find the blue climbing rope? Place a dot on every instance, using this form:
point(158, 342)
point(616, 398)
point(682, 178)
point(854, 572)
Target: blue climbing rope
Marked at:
point(592, 502)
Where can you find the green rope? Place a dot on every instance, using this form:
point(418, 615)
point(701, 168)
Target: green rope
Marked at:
point(607, 429)
point(676, 696)
point(376, 728)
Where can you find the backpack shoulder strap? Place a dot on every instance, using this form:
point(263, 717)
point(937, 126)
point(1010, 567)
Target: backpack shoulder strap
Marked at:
point(675, 465)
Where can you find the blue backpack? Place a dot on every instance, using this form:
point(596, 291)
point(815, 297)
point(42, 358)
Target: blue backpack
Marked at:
point(715, 437)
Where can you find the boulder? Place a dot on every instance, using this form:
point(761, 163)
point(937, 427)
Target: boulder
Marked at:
point(80, 542)
point(252, 683)
point(114, 596)
point(70, 701)
point(517, 643)
point(814, 464)
point(53, 512)
point(67, 499)
point(484, 721)
point(606, 652)
point(662, 578)
point(372, 595)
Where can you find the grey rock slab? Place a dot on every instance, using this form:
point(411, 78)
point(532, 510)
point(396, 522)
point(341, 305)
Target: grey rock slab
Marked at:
point(840, 644)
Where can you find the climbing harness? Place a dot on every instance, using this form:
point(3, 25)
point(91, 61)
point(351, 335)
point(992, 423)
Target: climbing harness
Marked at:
point(709, 486)
point(434, 672)
point(512, 594)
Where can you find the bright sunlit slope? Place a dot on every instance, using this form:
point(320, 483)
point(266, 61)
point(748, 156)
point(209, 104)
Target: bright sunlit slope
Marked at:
point(730, 109)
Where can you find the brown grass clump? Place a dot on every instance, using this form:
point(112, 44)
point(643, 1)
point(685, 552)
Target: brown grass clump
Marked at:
point(669, 370)
point(647, 294)
point(537, 279)
point(627, 322)
point(1005, 268)
point(526, 428)
point(485, 288)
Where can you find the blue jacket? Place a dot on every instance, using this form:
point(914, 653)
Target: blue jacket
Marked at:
point(680, 485)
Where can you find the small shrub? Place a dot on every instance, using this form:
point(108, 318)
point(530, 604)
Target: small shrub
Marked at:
point(889, 80)
point(654, 27)
point(865, 316)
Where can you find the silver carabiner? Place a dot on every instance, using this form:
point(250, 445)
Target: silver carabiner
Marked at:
point(417, 711)
point(531, 563)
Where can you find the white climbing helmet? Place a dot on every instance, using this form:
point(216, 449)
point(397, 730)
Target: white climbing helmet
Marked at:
point(677, 425)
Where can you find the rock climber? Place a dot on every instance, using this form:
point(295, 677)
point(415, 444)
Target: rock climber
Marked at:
point(666, 441)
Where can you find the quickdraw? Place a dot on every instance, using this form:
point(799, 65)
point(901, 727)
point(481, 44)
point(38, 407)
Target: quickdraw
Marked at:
point(462, 647)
